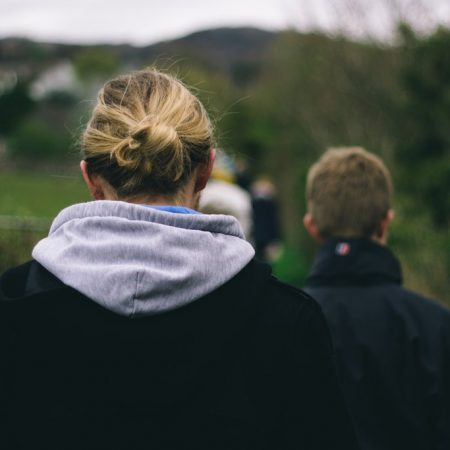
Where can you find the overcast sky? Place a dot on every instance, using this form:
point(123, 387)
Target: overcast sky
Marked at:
point(143, 22)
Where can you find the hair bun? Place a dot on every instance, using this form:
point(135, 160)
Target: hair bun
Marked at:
point(146, 134)
point(146, 141)
point(128, 154)
point(155, 134)
point(133, 143)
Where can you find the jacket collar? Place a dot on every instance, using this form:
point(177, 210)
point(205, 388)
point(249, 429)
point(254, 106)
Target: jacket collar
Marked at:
point(356, 261)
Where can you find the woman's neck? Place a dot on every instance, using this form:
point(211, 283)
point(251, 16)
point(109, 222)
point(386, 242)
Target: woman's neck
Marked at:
point(186, 198)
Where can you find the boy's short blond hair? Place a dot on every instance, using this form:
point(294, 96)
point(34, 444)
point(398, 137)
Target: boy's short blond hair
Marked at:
point(348, 193)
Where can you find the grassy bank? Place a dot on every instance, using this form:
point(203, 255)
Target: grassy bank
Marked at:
point(25, 194)
point(39, 195)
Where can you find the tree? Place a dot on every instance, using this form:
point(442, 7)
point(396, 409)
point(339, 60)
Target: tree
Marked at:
point(15, 104)
point(37, 140)
point(424, 148)
point(94, 63)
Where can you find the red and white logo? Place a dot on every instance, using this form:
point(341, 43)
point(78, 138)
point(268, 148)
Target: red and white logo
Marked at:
point(342, 249)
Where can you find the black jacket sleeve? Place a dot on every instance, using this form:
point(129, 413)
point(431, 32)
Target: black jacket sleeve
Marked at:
point(316, 400)
point(438, 400)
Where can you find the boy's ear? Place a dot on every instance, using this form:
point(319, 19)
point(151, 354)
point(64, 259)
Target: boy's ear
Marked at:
point(93, 182)
point(204, 171)
point(383, 227)
point(311, 227)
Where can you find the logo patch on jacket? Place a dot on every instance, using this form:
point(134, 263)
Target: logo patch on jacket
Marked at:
point(342, 249)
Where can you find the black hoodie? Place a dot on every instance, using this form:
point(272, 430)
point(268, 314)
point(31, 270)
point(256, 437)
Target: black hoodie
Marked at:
point(247, 366)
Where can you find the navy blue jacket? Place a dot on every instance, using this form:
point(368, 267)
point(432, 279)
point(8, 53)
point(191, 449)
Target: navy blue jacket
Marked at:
point(392, 347)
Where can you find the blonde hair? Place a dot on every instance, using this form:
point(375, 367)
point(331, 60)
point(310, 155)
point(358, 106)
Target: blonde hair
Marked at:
point(348, 193)
point(146, 134)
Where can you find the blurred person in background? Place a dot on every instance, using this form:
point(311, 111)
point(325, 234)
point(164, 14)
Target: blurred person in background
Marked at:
point(141, 323)
point(266, 227)
point(392, 345)
point(243, 175)
point(223, 196)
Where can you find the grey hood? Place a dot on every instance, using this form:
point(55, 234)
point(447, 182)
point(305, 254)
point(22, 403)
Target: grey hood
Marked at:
point(135, 260)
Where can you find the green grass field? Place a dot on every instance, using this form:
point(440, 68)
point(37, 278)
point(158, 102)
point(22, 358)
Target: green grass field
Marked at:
point(31, 194)
point(27, 194)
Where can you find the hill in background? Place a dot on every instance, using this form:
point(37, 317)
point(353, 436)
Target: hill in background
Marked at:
point(236, 52)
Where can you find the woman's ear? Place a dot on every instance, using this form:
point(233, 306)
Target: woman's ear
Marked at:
point(93, 182)
point(311, 227)
point(204, 171)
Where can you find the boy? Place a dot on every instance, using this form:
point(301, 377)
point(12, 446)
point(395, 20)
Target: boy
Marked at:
point(392, 345)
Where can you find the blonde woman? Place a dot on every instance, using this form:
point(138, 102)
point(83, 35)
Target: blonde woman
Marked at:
point(142, 324)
